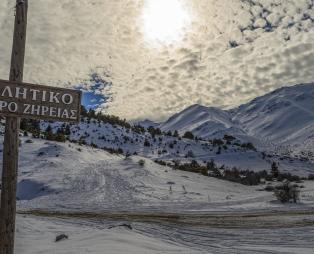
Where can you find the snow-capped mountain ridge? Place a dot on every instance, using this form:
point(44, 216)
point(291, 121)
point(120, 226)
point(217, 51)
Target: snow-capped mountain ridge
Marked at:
point(284, 116)
point(202, 121)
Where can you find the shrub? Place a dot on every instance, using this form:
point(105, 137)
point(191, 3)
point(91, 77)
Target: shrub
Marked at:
point(190, 154)
point(287, 192)
point(146, 143)
point(141, 163)
point(218, 142)
point(248, 146)
point(311, 177)
point(229, 138)
point(188, 135)
point(269, 188)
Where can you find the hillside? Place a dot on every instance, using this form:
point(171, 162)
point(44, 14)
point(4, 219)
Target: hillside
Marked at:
point(166, 147)
point(66, 176)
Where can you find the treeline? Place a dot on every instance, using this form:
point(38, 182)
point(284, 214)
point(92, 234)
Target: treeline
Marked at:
point(245, 177)
point(111, 119)
point(33, 127)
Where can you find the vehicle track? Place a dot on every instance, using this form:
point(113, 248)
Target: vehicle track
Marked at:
point(271, 219)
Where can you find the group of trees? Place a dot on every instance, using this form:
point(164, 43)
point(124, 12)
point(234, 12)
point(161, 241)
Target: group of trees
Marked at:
point(60, 135)
point(287, 192)
point(245, 177)
point(114, 120)
point(32, 126)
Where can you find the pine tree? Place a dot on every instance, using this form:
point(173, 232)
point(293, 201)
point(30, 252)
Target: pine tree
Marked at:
point(274, 170)
point(67, 130)
point(49, 133)
point(211, 165)
point(176, 134)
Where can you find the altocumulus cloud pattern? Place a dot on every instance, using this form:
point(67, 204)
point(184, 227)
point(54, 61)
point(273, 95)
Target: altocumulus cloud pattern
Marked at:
point(231, 51)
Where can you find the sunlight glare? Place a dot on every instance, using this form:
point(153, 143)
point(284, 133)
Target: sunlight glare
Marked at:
point(164, 21)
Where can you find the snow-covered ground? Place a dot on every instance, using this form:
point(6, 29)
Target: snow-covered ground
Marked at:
point(37, 235)
point(169, 148)
point(66, 176)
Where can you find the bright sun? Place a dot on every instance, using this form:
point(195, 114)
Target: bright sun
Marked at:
point(163, 21)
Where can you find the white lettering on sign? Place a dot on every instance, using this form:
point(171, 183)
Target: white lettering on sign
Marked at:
point(19, 93)
point(12, 107)
point(35, 110)
point(44, 96)
point(67, 99)
point(34, 94)
point(54, 97)
point(27, 109)
point(3, 104)
point(22, 93)
point(44, 111)
point(40, 102)
point(7, 92)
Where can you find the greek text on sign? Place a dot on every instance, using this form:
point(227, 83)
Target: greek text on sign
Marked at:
point(39, 102)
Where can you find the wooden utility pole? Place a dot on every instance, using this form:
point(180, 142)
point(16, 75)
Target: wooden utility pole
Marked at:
point(11, 138)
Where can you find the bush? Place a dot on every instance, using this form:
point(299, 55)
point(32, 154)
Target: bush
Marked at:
point(287, 192)
point(188, 135)
point(248, 146)
point(311, 177)
point(190, 154)
point(141, 163)
point(229, 138)
point(146, 143)
point(269, 188)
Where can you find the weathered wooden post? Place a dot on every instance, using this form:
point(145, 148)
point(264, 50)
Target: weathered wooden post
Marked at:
point(10, 149)
point(18, 99)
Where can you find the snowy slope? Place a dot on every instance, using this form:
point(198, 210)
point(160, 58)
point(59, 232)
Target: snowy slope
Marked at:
point(202, 121)
point(280, 120)
point(284, 116)
point(59, 176)
point(65, 176)
point(168, 148)
point(147, 123)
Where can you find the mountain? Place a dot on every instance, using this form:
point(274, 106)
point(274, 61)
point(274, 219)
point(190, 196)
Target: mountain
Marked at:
point(283, 117)
point(147, 123)
point(203, 121)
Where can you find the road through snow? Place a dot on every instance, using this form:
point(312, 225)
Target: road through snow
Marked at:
point(36, 235)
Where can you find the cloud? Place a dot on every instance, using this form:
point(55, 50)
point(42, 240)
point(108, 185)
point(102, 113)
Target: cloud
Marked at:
point(233, 51)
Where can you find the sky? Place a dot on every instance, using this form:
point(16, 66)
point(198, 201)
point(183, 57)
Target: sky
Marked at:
point(152, 58)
